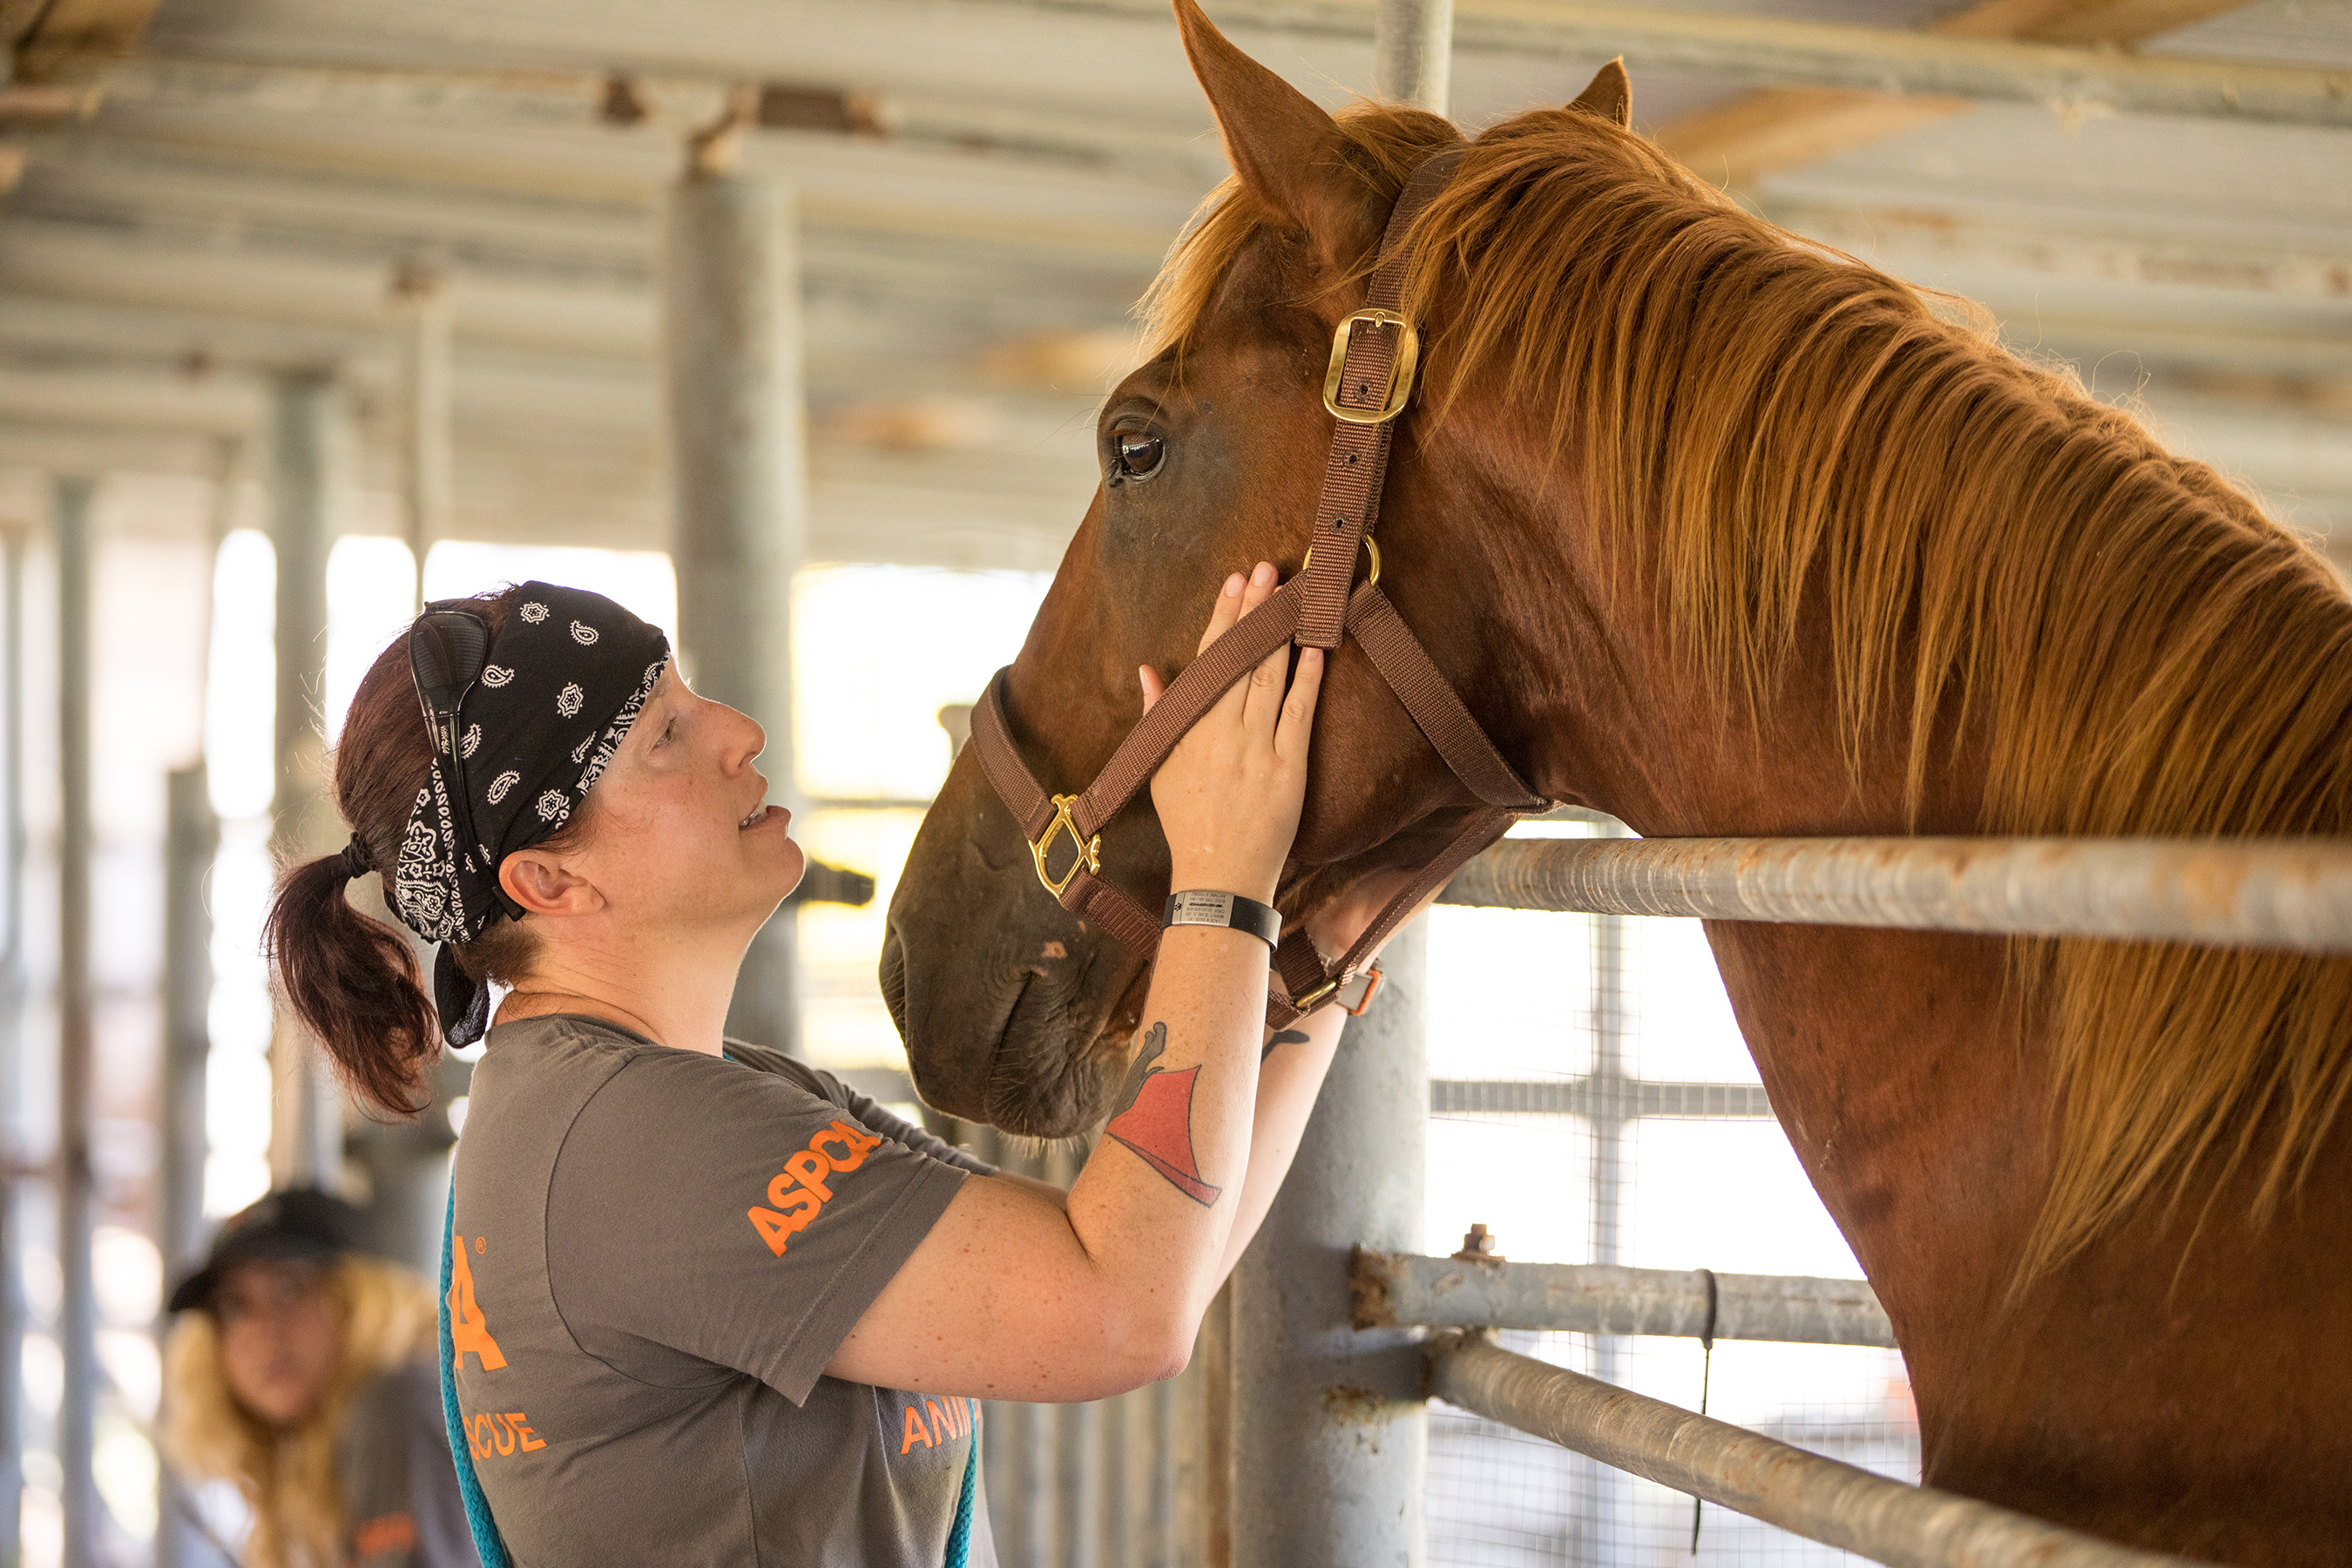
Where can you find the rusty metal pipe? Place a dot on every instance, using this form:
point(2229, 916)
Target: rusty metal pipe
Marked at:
point(1821, 1499)
point(2293, 893)
point(1389, 1290)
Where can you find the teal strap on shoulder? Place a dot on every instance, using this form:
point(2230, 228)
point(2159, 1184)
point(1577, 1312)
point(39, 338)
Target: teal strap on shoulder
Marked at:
point(960, 1536)
point(488, 1545)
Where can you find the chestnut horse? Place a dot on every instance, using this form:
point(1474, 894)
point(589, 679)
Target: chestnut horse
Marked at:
point(1724, 533)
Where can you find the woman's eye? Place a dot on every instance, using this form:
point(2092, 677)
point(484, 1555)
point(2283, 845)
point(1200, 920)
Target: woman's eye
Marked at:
point(1139, 454)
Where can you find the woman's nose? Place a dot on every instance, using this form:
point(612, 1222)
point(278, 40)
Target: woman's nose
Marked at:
point(749, 740)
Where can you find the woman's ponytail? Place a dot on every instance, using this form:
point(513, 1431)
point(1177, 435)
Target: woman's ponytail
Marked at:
point(354, 981)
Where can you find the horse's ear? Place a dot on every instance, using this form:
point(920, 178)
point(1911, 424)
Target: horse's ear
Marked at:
point(1611, 95)
point(1279, 141)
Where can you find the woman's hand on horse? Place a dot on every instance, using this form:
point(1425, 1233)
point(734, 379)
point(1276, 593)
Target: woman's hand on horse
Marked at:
point(1229, 795)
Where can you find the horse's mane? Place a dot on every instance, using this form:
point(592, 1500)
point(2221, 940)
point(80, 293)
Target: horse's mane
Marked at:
point(1769, 429)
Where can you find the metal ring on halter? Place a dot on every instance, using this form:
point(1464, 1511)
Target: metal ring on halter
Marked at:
point(1370, 548)
point(1089, 856)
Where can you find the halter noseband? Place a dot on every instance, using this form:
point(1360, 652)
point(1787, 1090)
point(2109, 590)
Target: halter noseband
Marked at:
point(1374, 354)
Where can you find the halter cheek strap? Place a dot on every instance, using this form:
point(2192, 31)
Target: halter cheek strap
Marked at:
point(1374, 354)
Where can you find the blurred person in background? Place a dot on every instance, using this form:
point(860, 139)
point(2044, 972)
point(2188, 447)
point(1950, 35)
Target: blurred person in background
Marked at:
point(302, 1371)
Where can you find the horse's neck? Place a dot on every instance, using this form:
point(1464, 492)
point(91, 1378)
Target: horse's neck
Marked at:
point(1624, 726)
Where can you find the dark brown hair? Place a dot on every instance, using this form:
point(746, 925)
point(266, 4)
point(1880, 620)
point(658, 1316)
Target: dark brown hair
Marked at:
point(354, 981)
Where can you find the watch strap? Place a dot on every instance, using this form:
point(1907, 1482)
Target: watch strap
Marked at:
point(1205, 907)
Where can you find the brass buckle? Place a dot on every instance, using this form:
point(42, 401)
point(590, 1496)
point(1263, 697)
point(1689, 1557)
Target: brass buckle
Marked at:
point(1399, 387)
point(1372, 582)
point(1089, 850)
point(1372, 980)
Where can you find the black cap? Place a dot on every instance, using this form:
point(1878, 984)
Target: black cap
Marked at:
point(299, 1223)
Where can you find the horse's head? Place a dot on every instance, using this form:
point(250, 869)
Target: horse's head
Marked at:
point(1013, 1011)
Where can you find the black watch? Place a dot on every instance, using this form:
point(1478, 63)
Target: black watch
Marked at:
point(1199, 906)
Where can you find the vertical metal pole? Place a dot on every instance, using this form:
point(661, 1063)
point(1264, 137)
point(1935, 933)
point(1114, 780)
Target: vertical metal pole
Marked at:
point(192, 841)
point(307, 1144)
point(1595, 1522)
point(1330, 1435)
point(78, 1312)
point(1212, 1519)
point(1412, 52)
point(738, 445)
point(426, 483)
point(1078, 1430)
point(1121, 1519)
point(1195, 1495)
point(407, 1162)
point(12, 1049)
point(1163, 1431)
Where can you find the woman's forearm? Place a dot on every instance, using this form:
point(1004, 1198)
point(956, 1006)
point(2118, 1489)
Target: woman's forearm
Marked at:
point(1292, 1064)
point(1157, 1203)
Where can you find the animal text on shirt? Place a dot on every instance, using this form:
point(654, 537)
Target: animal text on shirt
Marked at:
point(799, 1192)
point(950, 1419)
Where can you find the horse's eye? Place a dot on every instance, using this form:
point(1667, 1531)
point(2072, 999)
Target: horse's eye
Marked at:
point(1141, 454)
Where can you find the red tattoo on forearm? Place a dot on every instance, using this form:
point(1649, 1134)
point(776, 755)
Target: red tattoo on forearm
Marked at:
point(1154, 1119)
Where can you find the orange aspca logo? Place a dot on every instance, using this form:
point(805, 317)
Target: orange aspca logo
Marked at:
point(384, 1535)
point(799, 1193)
point(501, 1433)
point(950, 1419)
point(469, 1330)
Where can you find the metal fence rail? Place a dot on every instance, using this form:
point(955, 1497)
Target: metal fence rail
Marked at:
point(1389, 1288)
point(1819, 1497)
point(2276, 893)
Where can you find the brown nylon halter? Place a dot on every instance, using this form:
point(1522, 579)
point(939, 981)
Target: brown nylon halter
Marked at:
point(1373, 357)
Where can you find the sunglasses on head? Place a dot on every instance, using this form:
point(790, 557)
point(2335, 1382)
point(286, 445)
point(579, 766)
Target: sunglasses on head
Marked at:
point(447, 646)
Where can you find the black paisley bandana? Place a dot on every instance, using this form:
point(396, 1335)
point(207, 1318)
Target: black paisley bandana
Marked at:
point(559, 689)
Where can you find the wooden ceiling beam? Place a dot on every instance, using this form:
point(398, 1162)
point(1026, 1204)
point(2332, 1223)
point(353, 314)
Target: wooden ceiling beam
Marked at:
point(1762, 133)
point(66, 37)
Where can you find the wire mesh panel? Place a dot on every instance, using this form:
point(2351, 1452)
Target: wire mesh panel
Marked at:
point(1591, 1102)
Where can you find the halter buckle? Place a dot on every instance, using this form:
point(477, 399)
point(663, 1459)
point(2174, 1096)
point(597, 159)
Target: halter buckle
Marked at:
point(1399, 387)
point(1089, 856)
point(1372, 980)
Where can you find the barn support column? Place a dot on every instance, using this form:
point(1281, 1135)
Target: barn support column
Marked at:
point(13, 986)
point(421, 294)
point(406, 1163)
point(191, 842)
point(739, 450)
point(307, 1132)
point(1330, 1440)
point(1330, 1435)
point(78, 1308)
point(1412, 52)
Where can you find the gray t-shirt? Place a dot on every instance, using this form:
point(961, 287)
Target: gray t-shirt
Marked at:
point(656, 1253)
point(400, 1491)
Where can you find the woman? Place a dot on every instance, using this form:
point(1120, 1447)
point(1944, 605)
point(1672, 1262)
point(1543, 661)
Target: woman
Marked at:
point(302, 1370)
point(705, 1304)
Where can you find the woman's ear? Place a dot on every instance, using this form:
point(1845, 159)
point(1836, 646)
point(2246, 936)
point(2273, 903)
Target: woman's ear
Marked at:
point(543, 887)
